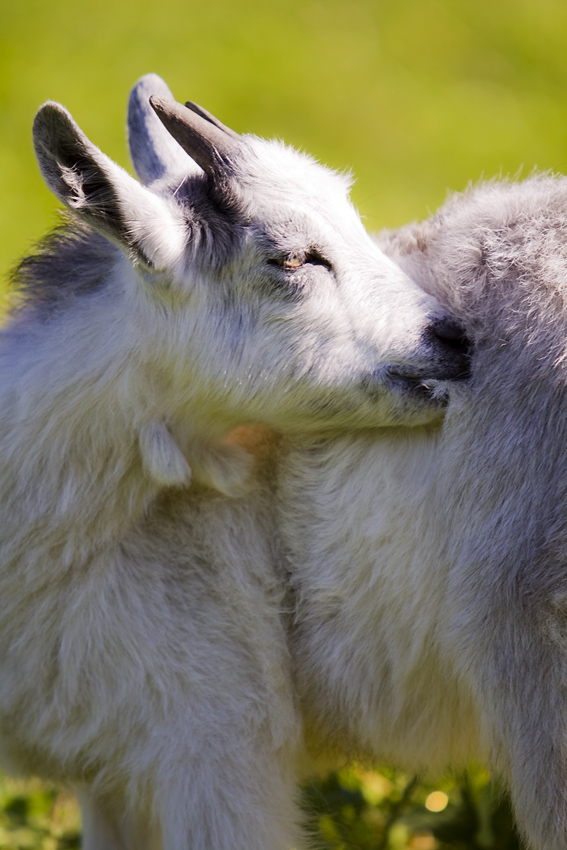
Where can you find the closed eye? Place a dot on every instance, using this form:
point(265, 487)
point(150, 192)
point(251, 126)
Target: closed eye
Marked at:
point(317, 259)
point(292, 262)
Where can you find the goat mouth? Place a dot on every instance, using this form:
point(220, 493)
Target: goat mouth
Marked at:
point(457, 368)
point(399, 380)
point(419, 388)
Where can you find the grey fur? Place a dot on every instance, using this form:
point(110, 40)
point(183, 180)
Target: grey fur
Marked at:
point(143, 626)
point(431, 567)
point(70, 262)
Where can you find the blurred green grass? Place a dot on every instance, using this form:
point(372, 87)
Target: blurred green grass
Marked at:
point(356, 808)
point(35, 816)
point(417, 97)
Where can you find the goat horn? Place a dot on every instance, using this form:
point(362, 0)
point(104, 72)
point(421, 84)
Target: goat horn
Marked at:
point(201, 136)
point(204, 113)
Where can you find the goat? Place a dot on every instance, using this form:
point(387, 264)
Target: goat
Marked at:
point(429, 566)
point(143, 646)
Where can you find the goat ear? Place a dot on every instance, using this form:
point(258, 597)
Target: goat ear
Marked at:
point(102, 193)
point(155, 153)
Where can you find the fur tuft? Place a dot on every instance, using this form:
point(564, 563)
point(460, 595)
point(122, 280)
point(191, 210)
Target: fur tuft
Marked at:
point(162, 458)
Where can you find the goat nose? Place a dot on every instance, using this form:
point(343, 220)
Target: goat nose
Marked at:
point(451, 334)
point(452, 349)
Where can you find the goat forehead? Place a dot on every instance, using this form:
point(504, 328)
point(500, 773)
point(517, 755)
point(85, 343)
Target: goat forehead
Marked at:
point(302, 226)
point(517, 213)
point(497, 257)
point(302, 216)
point(270, 169)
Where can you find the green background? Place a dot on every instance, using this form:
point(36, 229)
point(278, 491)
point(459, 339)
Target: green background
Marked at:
point(415, 96)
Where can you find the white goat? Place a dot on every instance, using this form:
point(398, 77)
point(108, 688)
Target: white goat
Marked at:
point(430, 567)
point(143, 653)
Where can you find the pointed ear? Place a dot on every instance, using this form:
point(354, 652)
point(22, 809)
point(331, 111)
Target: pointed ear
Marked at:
point(102, 193)
point(155, 153)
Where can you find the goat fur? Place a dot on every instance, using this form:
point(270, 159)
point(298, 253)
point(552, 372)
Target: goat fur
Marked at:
point(143, 628)
point(430, 566)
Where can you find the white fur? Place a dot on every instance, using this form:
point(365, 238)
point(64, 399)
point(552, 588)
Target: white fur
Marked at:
point(143, 626)
point(161, 456)
point(430, 566)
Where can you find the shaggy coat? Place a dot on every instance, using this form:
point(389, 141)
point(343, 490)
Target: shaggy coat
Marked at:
point(143, 627)
point(430, 566)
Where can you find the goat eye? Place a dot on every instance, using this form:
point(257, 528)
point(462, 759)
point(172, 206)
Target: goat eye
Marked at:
point(295, 261)
point(317, 259)
point(291, 263)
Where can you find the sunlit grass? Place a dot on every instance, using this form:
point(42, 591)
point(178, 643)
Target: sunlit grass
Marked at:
point(358, 809)
point(436, 801)
point(34, 816)
point(388, 810)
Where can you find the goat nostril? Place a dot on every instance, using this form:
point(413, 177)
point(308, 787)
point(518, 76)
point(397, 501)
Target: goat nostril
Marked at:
point(451, 334)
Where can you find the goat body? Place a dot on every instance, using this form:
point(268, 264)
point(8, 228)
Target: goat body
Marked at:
point(429, 566)
point(143, 643)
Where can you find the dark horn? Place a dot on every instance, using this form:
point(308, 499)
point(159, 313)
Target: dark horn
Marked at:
point(204, 141)
point(204, 113)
